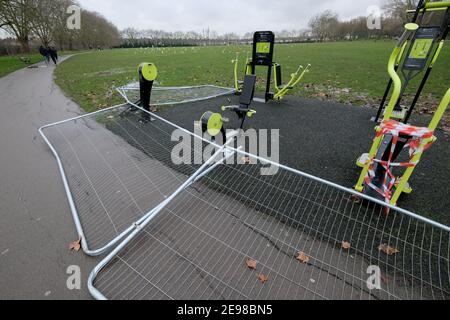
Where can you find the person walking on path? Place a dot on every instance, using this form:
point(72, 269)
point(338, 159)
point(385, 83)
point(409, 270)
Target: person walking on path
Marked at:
point(53, 54)
point(45, 53)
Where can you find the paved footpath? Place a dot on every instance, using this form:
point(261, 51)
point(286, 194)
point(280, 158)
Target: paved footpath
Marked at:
point(36, 225)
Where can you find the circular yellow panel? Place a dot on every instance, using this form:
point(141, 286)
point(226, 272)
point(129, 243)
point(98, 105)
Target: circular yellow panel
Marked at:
point(411, 26)
point(149, 71)
point(213, 123)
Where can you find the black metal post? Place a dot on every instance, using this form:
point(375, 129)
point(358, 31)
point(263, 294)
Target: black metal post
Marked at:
point(418, 94)
point(268, 84)
point(145, 91)
point(385, 96)
point(420, 6)
point(383, 101)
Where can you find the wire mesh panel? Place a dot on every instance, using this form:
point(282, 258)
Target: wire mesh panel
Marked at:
point(237, 234)
point(175, 95)
point(118, 165)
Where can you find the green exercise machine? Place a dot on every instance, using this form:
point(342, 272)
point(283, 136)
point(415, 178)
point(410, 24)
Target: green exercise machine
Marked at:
point(213, 123)
point(418, 56)
point(380, 167)
point(262, 56)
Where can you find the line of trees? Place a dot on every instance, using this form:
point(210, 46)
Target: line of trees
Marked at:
point(328, 27)
point(134, 38)
point(45, 22)
point(325, 26)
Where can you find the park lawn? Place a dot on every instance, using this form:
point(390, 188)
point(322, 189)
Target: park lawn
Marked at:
point(10, 64)
point(347, 72)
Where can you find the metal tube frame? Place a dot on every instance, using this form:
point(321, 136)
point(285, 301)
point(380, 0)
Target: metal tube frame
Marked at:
point(130, 233)
point(229, 91)
point(201, 173)
point(88, 251)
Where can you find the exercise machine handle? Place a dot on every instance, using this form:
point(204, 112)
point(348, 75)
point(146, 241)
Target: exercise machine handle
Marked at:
point(226, 108)
point(410, 29)
point(251, 113)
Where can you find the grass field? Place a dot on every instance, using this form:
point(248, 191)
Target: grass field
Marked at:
point(348, 72)
point(10, 64)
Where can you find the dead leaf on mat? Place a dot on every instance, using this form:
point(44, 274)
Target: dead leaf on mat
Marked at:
point(346, 245)
point(390, 251)
point(153, 109)
point(251, 264)
point(75, 246)
point(302, 257)
point(384, 278)
point(355, 199)
point(263, 278)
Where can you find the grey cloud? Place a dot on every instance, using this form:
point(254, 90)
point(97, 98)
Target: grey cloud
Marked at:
point(238, 16)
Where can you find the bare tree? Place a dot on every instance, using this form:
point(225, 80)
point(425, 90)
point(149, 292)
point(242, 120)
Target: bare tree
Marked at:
point(96, 31)
point(398, 8)
point(131, 34)
point(44, 20)
point(15, 16)
point(63, 37)
point(324, 25)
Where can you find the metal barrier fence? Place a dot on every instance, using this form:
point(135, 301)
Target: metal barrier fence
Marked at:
point(216, 230)
point(162, 96)
point(231, 233)
point(116, 167)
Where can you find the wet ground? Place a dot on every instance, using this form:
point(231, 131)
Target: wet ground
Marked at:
point(319, 138)
point(36, 227)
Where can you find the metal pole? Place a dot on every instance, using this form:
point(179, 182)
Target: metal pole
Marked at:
point(418, 94)
point(268, 85)
point(383, 101)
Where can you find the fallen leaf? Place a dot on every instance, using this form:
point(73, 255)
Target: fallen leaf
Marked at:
point(263, 278)
point(346, 245)
point(75, 246)
point(251, 264)
point(390, 251)
point(153, 109)
point(355, 199)
point(384, 278)
point(246, 160)
point(302, 257)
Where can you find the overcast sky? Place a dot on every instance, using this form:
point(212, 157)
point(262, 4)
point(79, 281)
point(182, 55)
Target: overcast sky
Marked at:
point(238, 16)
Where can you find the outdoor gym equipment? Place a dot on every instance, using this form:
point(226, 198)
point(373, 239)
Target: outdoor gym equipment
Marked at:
point(147, 75)
point(184, 231)
point(418, 54)
point(377, 179)
point(213, 123)
point(263, 52)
